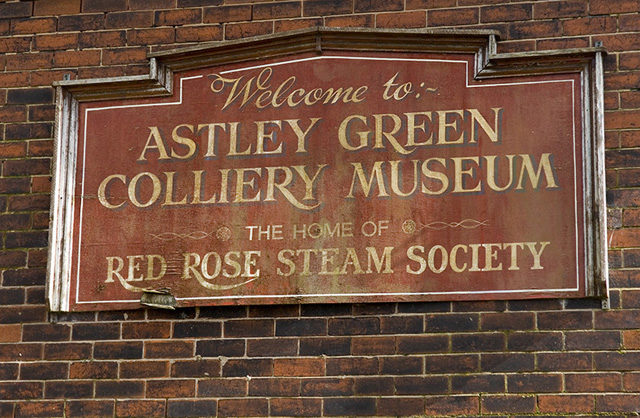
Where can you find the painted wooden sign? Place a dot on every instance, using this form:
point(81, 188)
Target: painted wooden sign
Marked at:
point(346, 170)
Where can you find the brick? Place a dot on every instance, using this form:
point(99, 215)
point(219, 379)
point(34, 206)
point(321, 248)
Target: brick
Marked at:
point(168, 349)
point(422, 344)
point(245, 30)
point(45, 78)
point(419, 385)
point(377, 5)
point(146, 330)
point(564, 361)
point(326, 7)
point(171, 388)
point(243, 407)
point(15, 79)
point(593, 382)
point(143, 369)
point(508, 404)
point(607, 7)
point(120, 389)
point(352, 366)
point(617, 319)
point(247, 367)
point(124, 55)
point(14, 221)
point(325, 310)
point(518, 30)
point(277, 10)
point(30, 202)
point(126, 20)
point(29, 61)
point(301, 327)
point(150, 36)
point(42, 148)
point(90, 407)
point(76, 58)
point(43, 371)
point(628, 23)
point(89, 6)
point(39, 409)
point(12, 296)
point(429, 4)
point(619, 42)
point(404, 324)
point(558, 9)
point(199, 33)
point(589, 25)
point(399, 365)
point(102, 39)
point(139, 408)
point(622, 198)
point(482, 305)
point(20, 390)
point(56, 7)
point(298, 367)
point(68, 389)
point(464, 16)
point(486, 383)
point(565, 320)
point(57, 41)
point(15, 44)
point(374, 386)
point(566, 404)
point(296, 407)
point(196, 3)
point(178, 17)
point(327, 387)
point(325, 346)
point(26, 167)
point(354, 326)
point(22, 314)
point(507, 321)
point(34, 25)
point(151, 4)
point(226, 347)
point(617, 403)
point(456, 363)
point(10, 333)
point(222, 387)
point(191, 408)
point(67, 351)
point(25, 239)
point(536, 383)
point(415, 19)
point(224, 14)
point(81, 22)
point(27, 131)
point(452, 405)
point(117, 350)
point(348, 21)
point(629, 99)
point(477, 342)
point(274, 387)
point(534, 341)
point(249, 328)
point(452, 323)
point(12, 10)
point(373, 345)
point(506, 13)
point(96, 331)
point(195, 368)
point(350, 406)
point(272, 347)
point(93, 370)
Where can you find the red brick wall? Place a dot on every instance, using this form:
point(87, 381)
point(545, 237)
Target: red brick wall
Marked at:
point(498, 358)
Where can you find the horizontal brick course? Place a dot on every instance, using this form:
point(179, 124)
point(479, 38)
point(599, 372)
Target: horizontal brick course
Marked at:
point(532, 357)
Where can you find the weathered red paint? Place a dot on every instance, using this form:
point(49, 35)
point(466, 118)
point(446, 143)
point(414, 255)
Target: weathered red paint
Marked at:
point(539, 116)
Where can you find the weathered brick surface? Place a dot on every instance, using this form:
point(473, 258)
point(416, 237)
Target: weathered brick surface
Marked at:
point(535, 357)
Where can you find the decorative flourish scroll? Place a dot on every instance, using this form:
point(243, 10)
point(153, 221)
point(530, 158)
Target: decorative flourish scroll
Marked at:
point(410, 226)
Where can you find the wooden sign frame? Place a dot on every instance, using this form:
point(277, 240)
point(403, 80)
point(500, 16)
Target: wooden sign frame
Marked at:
point(585, 64)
